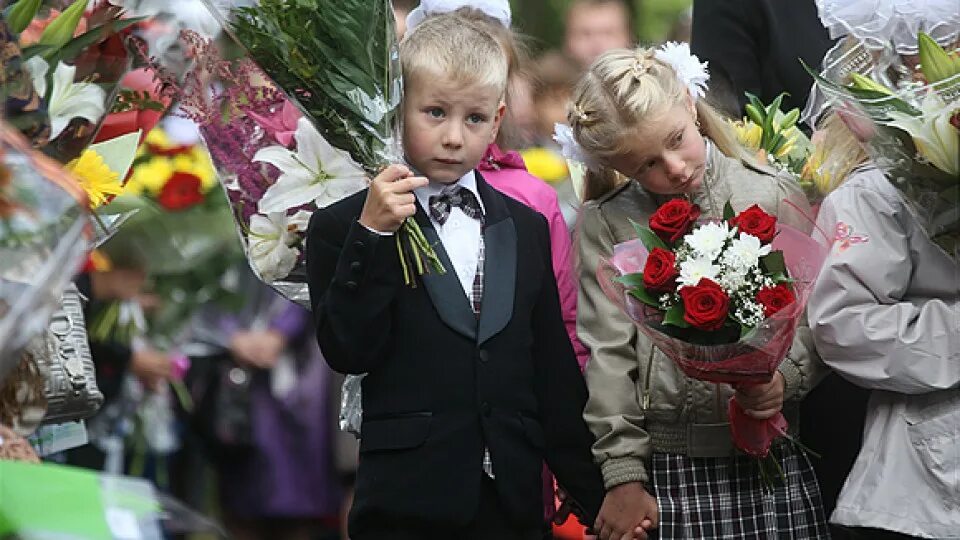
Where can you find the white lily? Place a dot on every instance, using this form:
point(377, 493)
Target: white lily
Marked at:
point(270, 243)
point(937, 140)
point(68, 100)
point(316, 172)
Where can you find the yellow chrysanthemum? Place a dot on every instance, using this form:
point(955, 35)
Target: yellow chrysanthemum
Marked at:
point(749, 134)
point(95, 177)
point(158, 137)
point(150, 176)
point(545, 164)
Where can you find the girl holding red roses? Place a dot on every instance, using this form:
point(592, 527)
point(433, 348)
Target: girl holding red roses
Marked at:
point(658, 154)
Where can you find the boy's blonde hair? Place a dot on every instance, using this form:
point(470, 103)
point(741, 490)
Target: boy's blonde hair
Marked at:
point(457, 48)
point(621, 91)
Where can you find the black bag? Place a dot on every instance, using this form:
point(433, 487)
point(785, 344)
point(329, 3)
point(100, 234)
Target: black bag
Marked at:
point(221, 391)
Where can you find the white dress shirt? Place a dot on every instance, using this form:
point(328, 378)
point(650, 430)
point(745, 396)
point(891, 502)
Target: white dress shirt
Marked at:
point(460, 234)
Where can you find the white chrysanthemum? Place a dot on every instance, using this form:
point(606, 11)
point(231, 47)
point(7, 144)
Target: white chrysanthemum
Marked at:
point(691, 72)
point(707, 241)
point(745, 252)
point(693, 270)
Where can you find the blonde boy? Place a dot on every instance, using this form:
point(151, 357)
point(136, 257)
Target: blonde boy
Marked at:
point(471, 380)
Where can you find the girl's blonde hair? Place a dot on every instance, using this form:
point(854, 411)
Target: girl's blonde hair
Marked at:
point(621, 90)
point(836, 153)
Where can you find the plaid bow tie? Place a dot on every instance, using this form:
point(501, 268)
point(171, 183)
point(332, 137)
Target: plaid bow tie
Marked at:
point(440, 205)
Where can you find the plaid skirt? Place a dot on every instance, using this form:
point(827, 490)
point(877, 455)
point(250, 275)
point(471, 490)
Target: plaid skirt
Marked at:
point(724, 498)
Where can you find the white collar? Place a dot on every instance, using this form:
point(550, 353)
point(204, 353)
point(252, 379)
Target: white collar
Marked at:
point(468, 181)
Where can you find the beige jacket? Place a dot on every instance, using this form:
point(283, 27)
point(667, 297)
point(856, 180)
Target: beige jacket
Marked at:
point(640, 402)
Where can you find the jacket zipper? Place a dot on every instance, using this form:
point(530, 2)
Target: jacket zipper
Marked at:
point(649, 381)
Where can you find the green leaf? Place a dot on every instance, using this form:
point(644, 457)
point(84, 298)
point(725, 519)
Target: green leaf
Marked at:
point(745, 330)
point(674, 317)
point(774, 263)
point(728, 212)
point(631, 280)
point(876, 103)
point(648, 238)
point(20, 14)
point(640, 293)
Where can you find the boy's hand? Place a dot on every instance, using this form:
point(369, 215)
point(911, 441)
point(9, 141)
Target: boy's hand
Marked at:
point(390, 199)
point(761, 401)
point(628, 512)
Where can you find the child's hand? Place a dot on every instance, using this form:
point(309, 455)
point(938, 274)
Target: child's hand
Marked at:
point(390, 199)
point(628, 512)
point(761, 401)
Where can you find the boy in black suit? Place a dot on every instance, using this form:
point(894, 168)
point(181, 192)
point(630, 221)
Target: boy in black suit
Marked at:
point(471, 380)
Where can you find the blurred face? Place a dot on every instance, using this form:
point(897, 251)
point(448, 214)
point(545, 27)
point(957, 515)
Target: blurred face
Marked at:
point(667, 155)
point(595, 29)
point(448, 126)
point(551, 110)
point(400, 18)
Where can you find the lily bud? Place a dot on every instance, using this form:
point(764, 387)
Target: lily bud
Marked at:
point(61, 30)
point(935, 63)
point(20, 14)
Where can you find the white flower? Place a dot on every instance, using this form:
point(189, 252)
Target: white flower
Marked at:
point(937, 140)
point(745, 252)
point(68, 100)
point(270, 240)
point(693, 270)
point(317, 172)
point(732, 279)
point(569, 146)
point(691, 72)
point(707, 240)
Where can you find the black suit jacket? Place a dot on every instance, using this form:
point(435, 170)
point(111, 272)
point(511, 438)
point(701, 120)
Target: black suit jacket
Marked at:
point(755, 46)
point(441, 384)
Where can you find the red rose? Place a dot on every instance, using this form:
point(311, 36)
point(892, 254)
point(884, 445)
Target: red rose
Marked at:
point(775, 298)
point(755, 221)
point(674, 219)
point(181, 191)
point(660, 272)
point(705, 305)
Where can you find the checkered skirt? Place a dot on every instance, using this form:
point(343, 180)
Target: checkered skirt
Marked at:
point(723, 498)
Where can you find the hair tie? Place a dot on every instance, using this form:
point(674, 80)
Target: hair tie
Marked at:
point(641, 63)
point(690, 71)
point(570, 148)
point(580, 113)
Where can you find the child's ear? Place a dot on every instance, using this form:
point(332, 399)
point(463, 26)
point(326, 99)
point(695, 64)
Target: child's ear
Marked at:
point(497, 121)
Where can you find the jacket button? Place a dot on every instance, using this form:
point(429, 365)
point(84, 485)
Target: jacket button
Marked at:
point(351, 286)
point(355, 267)
point(484, 356)
point(359, 245)
point(485, 408)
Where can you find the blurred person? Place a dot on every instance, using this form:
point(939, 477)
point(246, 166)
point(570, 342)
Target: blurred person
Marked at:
point(755, 46)
point(594, 27)
point(682, 28)
point(261, 390)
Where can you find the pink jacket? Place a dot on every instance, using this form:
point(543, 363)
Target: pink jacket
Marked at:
point(507, 173)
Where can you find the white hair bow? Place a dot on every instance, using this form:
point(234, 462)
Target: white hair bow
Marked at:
point(498, 9)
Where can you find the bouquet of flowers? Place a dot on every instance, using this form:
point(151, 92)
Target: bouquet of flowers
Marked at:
point(299, 122)
point(181, 235)
point(75, 59)
point(912, 131)
point(722, 298)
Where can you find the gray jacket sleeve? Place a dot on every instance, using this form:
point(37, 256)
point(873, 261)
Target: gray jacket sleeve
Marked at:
point(613, 409)
point(866, 324)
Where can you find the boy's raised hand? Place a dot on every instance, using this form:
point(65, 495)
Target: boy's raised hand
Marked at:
point(390, 199)
point(628, 512)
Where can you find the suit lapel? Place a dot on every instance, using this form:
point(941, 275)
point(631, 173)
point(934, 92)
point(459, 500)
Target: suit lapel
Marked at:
point(444, 289)
point(499, 265)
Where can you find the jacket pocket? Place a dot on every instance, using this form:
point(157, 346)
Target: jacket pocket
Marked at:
point(400, 432)
point(534, 432)
point(936, 439)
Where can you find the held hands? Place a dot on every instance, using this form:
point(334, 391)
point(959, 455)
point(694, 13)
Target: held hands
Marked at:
point(152, 367)
point(761, 401)
point(390, 199)
point(627, 513)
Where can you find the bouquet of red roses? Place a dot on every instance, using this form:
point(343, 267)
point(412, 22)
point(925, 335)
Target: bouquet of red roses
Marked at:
point(721, 298)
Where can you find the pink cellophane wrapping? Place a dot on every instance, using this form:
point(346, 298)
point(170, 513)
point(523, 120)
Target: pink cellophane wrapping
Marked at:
point(754, 358)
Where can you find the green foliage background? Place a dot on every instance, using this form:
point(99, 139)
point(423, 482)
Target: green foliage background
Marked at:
point(543, 20)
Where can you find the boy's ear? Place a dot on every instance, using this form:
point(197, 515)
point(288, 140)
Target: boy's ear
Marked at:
point(497, 121)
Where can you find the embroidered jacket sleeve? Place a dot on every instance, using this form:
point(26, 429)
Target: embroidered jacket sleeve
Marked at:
point(866, 323)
